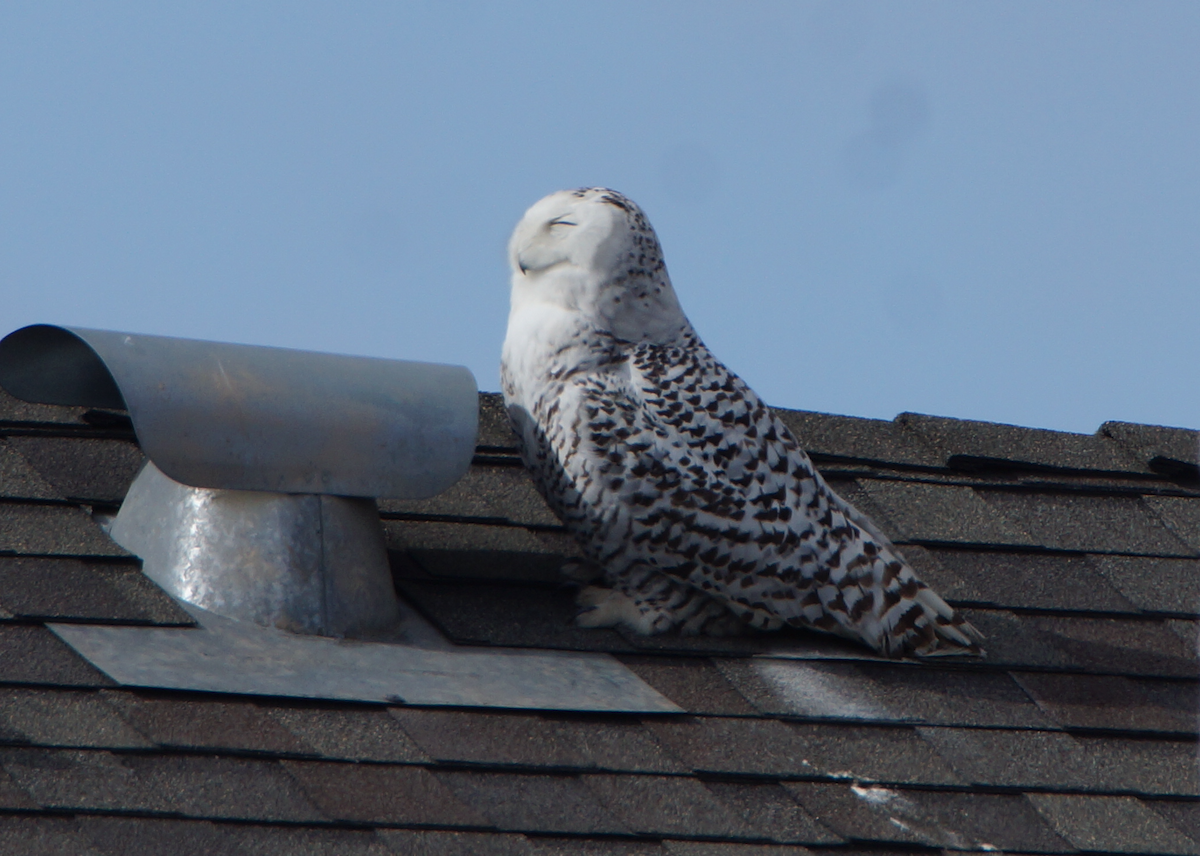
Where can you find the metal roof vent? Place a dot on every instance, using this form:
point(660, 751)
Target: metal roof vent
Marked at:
point(258, 499)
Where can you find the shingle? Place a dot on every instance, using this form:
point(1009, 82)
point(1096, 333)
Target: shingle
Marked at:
point(15, 411)
point(1149, 767)
point(1135, 647)
point(532, 803)
point(1118, 824)
point(1089, 524)
point(550, 846)
point(741, 745)
point(59, 779)
point(1183, 816)
point(708, 848)
point(65, 718)
point(34, 655)
point(1156, 445)
point(18, 478)
point(229, 788)
point(61, 589)
point(415, 843)
point(694, 684)
point(1157, 585)
point(1016, 758)
point(667, 805)
point(43, 836)
point(520, 616)
point(1181, 515)
point(490, 738)
point(118, 836)
point(253, 840)
point(358, 733)
point(204, 723)
point(53, 530)
point(500, 492)
point(1113, 703)
point(857, 439)
point(494, 428)
point(953, 820)
point(619, 744)
point(12, 795)
point(91, 469)
point(944, 514)
point(909, 693)
point(771, 813)
point(381, 794)
point(981, 443)
point(1027, 581)
point(769, 747)
point(454, 550)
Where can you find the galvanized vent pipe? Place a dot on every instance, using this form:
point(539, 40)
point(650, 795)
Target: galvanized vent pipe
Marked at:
point(257, 502)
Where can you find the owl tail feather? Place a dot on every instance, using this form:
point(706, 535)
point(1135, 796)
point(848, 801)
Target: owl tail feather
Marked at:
point(929, 627)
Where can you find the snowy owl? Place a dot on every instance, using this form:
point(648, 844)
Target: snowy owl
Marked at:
point(695, 501)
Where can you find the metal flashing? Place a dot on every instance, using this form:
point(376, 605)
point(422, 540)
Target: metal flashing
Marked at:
point(247, 417)
point(229, 656)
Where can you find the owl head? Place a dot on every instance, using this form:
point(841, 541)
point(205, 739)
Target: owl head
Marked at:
point(593, 252)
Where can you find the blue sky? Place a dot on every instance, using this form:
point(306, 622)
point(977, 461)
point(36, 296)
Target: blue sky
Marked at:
point(980, 210)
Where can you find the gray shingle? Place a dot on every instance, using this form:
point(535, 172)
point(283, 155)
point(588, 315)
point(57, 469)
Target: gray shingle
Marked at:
point(984, 442)
point(1156, 585)
point(204, 722)
point(1145, 767)
point(62, 589)
point(532, 803)
point(118, 836)
point(521, 616)
point(884, 693)
point(456, 550)
point(31, 654)
point(81, 780)
point(18, 478)
point(419, 843)
point(494, 429)
point(695, 685)
point(1117, 824)
point(1181, 515)
point(65, 718)
point(769, 747)
point(858, 439)
point(349, 733)
point(14, 411)
point(482, 737)
point(53, 530)
point(1157, 444)
point(1116, 646)
point(708, 848)
point(502, 493)
point(1012, 640)
point(381, 794)
point(940, 514)
point(1089, 524)
point(550, 846)
point(1114, 703)
point(91, 469)
point(771, 813)
point(952, 820)
point(254, 840)
point(1183, 816)
point(1017, 759)
point(44, 836)
point(667, 805)
point(1008, 580)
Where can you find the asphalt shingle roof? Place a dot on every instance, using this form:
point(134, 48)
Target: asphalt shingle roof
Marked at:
point(1078, 556)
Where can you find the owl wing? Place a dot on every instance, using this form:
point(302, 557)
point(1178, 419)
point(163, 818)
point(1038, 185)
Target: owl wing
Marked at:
point(704, 483)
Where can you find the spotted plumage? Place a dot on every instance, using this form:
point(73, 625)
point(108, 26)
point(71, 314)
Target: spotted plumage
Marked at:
point(694, 501)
